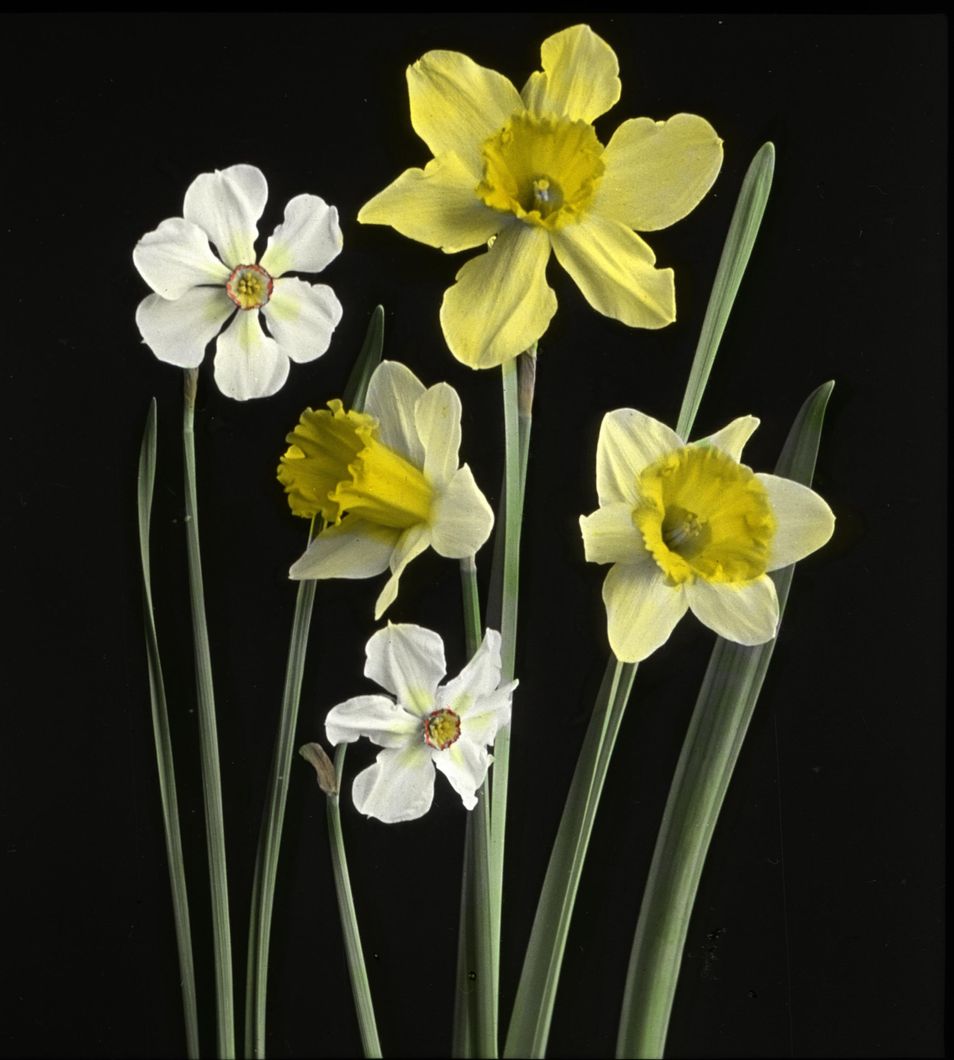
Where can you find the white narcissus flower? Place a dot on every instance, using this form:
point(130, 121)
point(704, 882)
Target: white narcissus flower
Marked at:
point(386, 482)
point(688, 527)
point(426, 726)
point(196, 291)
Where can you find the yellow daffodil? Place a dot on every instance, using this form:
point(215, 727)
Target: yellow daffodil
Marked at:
point(688, 527)
point(386, 482)
point(525, 173)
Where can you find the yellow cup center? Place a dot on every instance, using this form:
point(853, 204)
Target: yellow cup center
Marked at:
point(249, 286)
point(542, 169)
point(441, 729)
point(336, 465)
point(704, 515)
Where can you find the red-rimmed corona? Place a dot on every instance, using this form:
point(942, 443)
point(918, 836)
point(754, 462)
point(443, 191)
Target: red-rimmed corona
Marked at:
point(249, 287)
point(441, 729)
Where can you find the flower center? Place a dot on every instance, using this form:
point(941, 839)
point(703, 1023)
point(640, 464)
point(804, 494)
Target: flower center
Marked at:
point(249, 286)
point(704, 515)
point(544, 170)
point(336, 465)
point(441, 729)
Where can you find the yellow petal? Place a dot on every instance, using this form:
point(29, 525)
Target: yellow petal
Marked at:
point(613, 268)
point(437, 205)
point(657, 172)
point(501, 303)
point(456, 105)
point(580, 77)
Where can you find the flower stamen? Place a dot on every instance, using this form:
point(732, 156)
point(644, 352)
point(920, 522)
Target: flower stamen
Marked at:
point(441, 729)
point(249, 286)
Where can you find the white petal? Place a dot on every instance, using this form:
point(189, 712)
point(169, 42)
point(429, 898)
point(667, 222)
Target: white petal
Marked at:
point(745, 613)
point(610, 535)
point(732, 438)
point(805, 522)
point(461, 519)
point(641, 609)
point(175, 257)
point(437, 418)
point(306, 241)
point(629, 442)
point(393, 394)
point(248, 364)
point(408, 661)
point(178, 332)
point(301, 317)
point(227, 205)
point(398, 787)
point(354, 548)
point(378, 718)
point(465, 766)
point(409, 545)
point(490, 714)
point(480, 677)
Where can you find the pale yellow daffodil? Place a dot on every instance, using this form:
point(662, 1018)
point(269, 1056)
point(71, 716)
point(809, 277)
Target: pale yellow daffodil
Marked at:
point(688, 527)
point(525, 173)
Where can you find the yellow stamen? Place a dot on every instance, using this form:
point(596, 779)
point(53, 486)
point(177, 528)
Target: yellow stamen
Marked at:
point(441, 729)
point(704, 515)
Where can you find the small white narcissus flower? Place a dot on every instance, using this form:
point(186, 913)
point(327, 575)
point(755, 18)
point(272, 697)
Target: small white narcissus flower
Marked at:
point(427, 726)
point(688, 527)
point(196, 291)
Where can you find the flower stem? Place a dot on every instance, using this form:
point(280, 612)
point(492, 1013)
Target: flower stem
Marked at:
point(270, 836)
point(163, 740)
point(357, 970)
point(536, 993)
point(208, 742)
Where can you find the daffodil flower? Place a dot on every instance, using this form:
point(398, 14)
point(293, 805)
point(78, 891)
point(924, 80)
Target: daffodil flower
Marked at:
point(386, 481)
point(196, 290)
point(688, 527)
point(525, 172)
point(427, 725)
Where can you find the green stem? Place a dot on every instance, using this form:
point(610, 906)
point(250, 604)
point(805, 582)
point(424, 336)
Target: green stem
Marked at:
point(270, 836)
point(357, 970)
point(163, 740)
point(539, 979)
point(208, 743)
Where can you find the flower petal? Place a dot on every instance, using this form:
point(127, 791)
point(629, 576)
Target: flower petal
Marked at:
point(176, 257)
point(378, 718)
point(398, 787)
point(393, 394)
point(580, 77)
point(465, 766)
point(307, 240)
point(629, 442)
point(456, 105)
point(248, 364)
point(410, 544)
point(437, 419)
point(610, 535)
point(302, 317)
point(658, 171)
point(614, 269)
point(461, 519)
point(409, 661)
point(354, 548)
point(501, 303)
point(488, 715)
point(732, 438)
point(641, 609)
point(227, 205)
point(745, 613)
point(178, 332)
point(479, 678)
point(805, 522)
point(436, 205)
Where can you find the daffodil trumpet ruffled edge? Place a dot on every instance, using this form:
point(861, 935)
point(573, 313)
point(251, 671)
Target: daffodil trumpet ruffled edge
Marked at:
point(687, 526)
point(391, 488)
point(524, 174)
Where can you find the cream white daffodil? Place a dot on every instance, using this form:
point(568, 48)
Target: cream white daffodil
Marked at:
point(525, 174)
point(198, 290)
point(688, 527)
point(427, 726)
point(386, 482)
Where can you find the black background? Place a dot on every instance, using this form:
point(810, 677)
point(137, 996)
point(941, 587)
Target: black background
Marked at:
point(818, 927)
